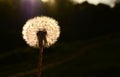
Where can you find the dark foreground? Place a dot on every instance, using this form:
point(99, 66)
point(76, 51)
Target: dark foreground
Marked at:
point(97, 57)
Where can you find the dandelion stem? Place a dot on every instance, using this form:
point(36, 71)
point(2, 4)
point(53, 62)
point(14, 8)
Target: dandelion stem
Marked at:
point(41, 38)
point(40, 61)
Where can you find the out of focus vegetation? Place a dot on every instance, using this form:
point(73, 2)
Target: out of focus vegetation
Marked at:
point(98, 57)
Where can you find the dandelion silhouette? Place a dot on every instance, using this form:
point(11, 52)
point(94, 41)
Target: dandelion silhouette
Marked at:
point(40, 32)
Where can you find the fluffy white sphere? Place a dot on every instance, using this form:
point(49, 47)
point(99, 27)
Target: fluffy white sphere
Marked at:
point(32, 26)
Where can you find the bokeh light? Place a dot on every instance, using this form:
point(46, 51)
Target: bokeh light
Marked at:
point(110, 3)
point(77, 1)
point(48, 1)
point(50, 4)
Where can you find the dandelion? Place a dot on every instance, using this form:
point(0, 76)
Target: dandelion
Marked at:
point(40, 32)
point(43, 23)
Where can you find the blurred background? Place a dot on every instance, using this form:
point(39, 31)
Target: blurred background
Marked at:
point(89, 44)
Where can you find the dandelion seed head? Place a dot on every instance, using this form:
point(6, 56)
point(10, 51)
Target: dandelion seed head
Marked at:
point(42, 23)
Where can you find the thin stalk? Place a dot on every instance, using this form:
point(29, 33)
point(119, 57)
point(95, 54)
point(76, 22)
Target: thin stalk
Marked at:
point(41, 37)
point(40, 60)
